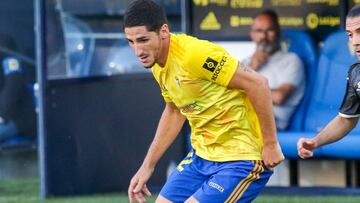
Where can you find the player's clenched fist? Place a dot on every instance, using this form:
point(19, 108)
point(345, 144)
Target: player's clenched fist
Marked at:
point(306, 147)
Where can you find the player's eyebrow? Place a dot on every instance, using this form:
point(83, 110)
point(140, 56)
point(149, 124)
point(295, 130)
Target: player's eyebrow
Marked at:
point(142, 38)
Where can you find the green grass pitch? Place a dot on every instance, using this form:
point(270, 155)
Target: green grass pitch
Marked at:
point(26, 191)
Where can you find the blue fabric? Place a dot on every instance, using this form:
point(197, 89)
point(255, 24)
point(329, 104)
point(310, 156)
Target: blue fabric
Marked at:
point(303, 45)
point(211, 181)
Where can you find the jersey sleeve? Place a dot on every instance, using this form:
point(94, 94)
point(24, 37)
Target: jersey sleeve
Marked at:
point(350, 106)
point(209, 61)
point(166, 96)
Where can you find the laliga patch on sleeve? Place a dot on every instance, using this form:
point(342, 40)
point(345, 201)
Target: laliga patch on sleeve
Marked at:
point(11, 65)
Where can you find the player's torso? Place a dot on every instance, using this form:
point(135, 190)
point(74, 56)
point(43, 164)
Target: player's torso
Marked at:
point(355, 79)
point(223, 121)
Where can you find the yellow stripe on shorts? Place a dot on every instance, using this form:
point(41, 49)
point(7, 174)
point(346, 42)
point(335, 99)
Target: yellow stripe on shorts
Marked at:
point(244, 183)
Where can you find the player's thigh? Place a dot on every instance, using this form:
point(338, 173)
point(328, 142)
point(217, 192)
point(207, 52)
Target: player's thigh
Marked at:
point(161, 199)
point(184, 181)
point(233, 182)
point(191, 200)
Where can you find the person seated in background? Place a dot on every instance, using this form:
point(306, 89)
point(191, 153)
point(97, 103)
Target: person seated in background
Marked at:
point(17, 112)
point(284, 71)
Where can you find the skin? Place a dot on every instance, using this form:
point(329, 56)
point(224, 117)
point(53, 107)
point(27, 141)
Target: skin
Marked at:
point(149, 47)
point(153, 47)
point(339, 126)
point(263, 33)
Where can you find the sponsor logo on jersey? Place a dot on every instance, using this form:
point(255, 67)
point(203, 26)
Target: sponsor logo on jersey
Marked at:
point(210, 64)
point(214, 66)
point(216, 186)
point(189, 108)
point(219, 68)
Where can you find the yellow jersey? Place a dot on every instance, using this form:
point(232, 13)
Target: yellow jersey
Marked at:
point(224, 125)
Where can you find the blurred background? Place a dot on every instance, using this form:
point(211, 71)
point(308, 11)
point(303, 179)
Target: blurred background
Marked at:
point(88, 110)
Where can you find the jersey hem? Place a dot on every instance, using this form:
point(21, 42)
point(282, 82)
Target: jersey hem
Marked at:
point(232, 73)
point(230, 158)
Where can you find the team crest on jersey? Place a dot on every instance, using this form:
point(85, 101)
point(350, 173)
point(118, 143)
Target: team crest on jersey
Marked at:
point(177, 81)
point(358, 86)
point(11, 65)
point(210, 64)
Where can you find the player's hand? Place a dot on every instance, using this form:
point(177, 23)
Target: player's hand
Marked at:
point(306, 148)
point(137, 188)
point(272, 155)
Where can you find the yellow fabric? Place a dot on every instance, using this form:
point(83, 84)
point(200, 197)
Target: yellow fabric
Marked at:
point(223, 122)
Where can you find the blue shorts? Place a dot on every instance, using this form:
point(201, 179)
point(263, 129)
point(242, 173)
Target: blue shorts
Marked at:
point(208, 181)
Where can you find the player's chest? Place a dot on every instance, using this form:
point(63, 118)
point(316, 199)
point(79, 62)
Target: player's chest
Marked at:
point(182, 87)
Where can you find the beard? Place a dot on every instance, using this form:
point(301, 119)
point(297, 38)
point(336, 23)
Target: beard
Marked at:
point(268, 47)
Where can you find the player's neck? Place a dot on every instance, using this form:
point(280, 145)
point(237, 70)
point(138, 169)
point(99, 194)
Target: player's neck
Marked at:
point(164, 51)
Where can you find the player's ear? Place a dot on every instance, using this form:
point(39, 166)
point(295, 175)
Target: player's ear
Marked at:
point(164, 31)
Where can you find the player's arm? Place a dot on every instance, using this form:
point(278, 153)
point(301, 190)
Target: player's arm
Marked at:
point(169, 127)
point(257, 88)
point(334, 131)
point(342, 124)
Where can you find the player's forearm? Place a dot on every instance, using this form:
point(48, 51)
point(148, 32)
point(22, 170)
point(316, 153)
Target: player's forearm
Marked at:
point(335, 130)
point(260, 97)
point(169, 127)
point(258, 91)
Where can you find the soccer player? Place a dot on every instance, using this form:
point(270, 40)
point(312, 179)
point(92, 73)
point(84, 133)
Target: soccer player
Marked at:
point(17, 114)
point(349, 111)
point(227, 104)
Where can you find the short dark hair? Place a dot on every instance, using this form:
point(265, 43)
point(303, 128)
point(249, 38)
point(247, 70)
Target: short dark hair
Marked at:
point(145, 13)
point(273, 17)
point(354, 12)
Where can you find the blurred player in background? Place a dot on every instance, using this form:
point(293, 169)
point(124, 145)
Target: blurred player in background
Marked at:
point(227, 104)
point(349, 111)
point(17, 111)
